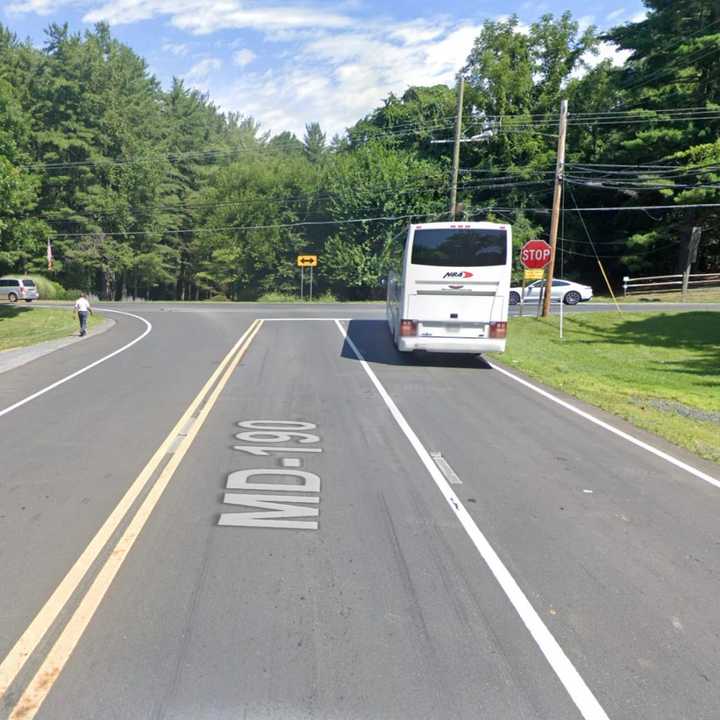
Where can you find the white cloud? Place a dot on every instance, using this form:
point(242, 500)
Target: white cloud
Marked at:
point(330, 65)
point(337, 78)
point(179, 49)
point(243, 57)
point(418, 31)
point(616, 13)
point(606, 51)
point(639, 17)
point(40, 7)
point(205, 16)
point(201, 71)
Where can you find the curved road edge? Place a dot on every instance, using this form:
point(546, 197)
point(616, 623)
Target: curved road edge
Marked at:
point(17, 357)
point(86, 368)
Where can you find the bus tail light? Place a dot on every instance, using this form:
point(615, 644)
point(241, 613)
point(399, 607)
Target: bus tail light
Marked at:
point(408, 328)
point(498, 329)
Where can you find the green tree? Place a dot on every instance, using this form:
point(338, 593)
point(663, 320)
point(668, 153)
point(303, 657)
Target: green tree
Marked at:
point(22, 237)
point(314, 142)
point(375, 180)
point(411, 121)
point(249, 244)
point(673, 64)
point(286, 142)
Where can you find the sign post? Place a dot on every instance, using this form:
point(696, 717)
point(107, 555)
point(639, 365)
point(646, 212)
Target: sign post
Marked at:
point(535, 255)
point(304, 261)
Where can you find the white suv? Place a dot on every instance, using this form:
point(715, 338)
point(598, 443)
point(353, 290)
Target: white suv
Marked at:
point(14, 289)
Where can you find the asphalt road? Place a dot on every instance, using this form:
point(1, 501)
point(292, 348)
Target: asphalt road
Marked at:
point(544, 568)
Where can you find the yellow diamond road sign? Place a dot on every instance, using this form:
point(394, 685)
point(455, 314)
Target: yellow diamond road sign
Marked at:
point(534, 274)
point(307, 260)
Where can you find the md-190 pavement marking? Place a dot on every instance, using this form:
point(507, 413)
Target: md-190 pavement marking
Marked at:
point(276, 512)
point(577, 689)
point(54, 662)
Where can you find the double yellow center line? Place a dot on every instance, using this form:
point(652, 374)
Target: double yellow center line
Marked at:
point(176, 444)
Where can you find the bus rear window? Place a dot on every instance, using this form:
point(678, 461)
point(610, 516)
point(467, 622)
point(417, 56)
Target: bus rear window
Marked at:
point(450, 247)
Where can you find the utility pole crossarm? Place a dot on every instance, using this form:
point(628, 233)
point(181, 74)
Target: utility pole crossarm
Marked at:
point(557, 195)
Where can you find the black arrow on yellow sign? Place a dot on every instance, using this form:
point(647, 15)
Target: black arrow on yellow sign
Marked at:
point(307, 260)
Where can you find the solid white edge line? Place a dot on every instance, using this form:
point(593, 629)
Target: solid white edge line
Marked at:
point(610, 428)
point(82, 370)
point(576, 687)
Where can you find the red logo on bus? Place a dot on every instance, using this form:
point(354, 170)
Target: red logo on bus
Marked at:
point(461, 274)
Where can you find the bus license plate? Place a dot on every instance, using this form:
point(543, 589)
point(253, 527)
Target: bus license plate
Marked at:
point(452, 328)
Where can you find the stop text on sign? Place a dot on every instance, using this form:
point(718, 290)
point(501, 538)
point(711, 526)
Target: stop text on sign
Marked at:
point(295, 492)
point(535, 254)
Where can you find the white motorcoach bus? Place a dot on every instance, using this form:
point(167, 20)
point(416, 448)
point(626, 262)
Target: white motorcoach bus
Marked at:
point(452, 295)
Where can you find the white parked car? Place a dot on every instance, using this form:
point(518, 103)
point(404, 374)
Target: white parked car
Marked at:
point(571, 293)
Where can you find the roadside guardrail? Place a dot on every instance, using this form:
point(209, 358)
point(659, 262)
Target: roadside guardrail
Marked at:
point(669, 283)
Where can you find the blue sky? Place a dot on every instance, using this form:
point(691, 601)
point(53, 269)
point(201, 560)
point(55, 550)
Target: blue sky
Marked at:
point(290, 62)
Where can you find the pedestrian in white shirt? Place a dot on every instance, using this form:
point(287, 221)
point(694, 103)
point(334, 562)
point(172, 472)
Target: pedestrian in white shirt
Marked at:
point(82, 308)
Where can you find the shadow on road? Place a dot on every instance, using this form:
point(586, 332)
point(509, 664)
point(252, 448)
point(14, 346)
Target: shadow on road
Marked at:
point(372, 338)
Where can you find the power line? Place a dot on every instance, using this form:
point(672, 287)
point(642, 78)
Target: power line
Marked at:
point(431, 187)
point(511, 123)
point(622, 208)
point(653, 76)
point(629, 253)
point(300, 223)
point(628, 185)
point(209, 155)
point(647, 169)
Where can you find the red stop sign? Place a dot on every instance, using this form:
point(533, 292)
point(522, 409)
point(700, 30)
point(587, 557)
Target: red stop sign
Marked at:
point(535, 254)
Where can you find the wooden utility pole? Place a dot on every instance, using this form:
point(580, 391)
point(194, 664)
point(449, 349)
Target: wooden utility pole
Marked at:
point(456, 149)
point(555, 219)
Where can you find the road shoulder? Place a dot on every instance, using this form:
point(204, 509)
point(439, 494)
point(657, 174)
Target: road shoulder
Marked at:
point(11, 359)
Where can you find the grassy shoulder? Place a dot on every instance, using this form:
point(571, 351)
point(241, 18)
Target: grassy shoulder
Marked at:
point(21, 325)
point(661, 372)
point(694, 296)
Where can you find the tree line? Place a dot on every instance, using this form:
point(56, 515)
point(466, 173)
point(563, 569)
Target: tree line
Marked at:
point(155, 193)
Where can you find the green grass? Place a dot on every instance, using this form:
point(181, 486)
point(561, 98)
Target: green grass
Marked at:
point(661, 372)
point(21, 325)
point(278, 297)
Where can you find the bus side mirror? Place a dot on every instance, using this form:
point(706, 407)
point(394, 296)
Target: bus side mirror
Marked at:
point(383, 282)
